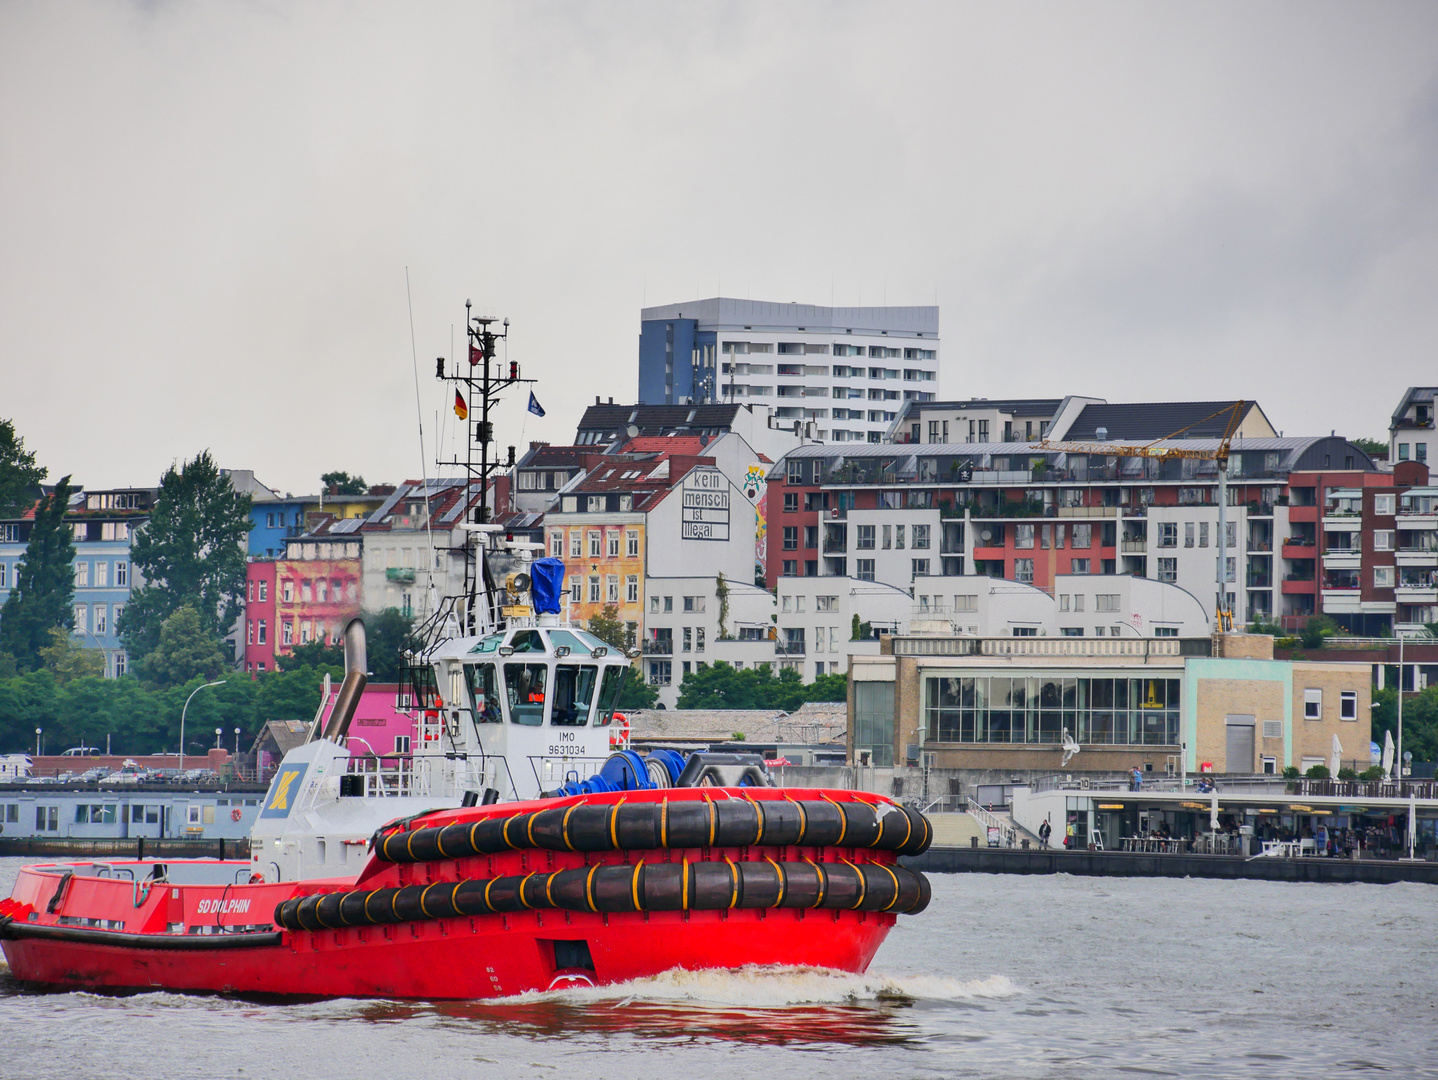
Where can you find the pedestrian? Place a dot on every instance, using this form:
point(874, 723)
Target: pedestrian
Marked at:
point(1137, 779)
point(1069, 833)
point(1045, 831)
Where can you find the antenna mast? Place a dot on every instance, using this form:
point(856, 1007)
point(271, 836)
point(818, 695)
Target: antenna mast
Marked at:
point(477, 391)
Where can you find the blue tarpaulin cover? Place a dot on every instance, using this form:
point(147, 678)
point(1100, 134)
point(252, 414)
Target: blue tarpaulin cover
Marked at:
point(547, 577)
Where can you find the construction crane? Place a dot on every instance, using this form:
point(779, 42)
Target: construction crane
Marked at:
point(1235, 413)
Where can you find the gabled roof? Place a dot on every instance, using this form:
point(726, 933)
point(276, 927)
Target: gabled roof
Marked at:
point(656, 419)
point(1414, 395)
point(1148, 420)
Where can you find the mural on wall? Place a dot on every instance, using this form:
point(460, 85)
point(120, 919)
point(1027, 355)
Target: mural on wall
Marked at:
point(755, 484)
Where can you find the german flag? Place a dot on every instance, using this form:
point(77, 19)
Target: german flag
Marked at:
point(461, 410)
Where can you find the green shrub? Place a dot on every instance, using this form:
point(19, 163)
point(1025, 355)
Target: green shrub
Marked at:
point(1318, 772)
point(1290, 772)
point(1346, 773)
point(1372, 773)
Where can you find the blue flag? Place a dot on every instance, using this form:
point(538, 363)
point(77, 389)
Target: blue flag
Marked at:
point(534, 406)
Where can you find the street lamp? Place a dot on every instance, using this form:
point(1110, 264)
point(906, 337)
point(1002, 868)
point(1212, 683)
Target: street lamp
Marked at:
point(38, 732)
point(186, 709)
point(217, 738)
point(237, 742)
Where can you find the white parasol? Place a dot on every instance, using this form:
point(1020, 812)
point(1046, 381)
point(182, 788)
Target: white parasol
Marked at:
point(1335, 757)
point(1388, 754)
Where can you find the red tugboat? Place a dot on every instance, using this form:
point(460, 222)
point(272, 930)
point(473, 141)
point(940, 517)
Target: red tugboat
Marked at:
point(482, 865)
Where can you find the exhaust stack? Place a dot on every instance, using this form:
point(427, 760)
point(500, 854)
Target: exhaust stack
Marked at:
point(350, 690)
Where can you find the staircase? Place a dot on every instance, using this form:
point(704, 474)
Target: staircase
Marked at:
point(957, 830)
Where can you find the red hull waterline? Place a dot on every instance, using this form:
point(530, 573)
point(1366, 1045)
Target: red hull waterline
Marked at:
point(488, 956)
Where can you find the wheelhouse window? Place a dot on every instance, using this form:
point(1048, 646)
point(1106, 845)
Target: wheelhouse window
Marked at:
point(573, 694)
point(483, 682)
point(526, 684)
point(609, 690)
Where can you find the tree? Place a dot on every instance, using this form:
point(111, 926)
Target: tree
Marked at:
point(1317, 628)
point(610, 629)
point(311, 654)
point(721, 590)
point(389, 634)
point(67, 660)
point(637, 694)
point(44, 592)
point(188, 649)
point(1371, 446)
point(191, 553)
point(342, 483)
point(20, 477)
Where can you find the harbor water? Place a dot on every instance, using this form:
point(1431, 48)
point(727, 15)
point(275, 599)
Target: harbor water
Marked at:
point(1003, 976)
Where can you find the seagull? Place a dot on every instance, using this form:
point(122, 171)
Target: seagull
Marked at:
point(1070, 748)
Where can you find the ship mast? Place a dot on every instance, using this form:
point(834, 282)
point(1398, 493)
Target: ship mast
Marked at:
point(478, 386)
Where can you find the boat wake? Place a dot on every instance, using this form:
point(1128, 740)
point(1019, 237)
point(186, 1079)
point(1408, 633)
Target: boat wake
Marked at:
point(776, 988)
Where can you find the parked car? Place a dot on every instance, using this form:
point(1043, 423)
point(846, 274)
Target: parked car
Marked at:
point(83, 751)
point(128, 773)
point(89, 776)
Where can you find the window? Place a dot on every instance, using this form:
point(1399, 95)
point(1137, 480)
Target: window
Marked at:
point(287, 590)
point(1403, 451)
point(1078, 601)
point(82, 575)
point(631, 589)
point(1422, 451)
point(614, 545)
point(1024, 570)
point(1168, 570)
point(668, 605)
point(287, 632)
point(1203, 534)
point(694, 603)
point(899, 537)
point(1063, 601)
point(305, 592)
point(699, 639)
point(1383, 504)
point(99, 624)
point(595, 543)
point(866, 538)
point(401, 744)
point(811, 536)
point(632, 540)
point(1083, 536)
point(611, 588)
point(1023, 536)
point(918, 567)
point(887, 532)
point(1078, 566)
point(262, 594)
point(1382, 539)
point(102, 574)
point(594, 588)
point(1165, 631)
point(1071, 631)
point(249, 631)
point(921, 537)
point(1313, 704)
point(1106, 602)
point(576, 543)
point(595, 504)
point(525, 685)
point(1188, 534)
point(654, 605)
point(322, 590)
point(1230, 572)
point(1167, 534)
point(966, 604)
point(261, 632)
point(82, 616)
point(1383, 577)
point(1348, 705)
point(864, 569)
point(576, 589)
point(791, 502)
point(688, 640)
point(556, 545)
point(791, 538)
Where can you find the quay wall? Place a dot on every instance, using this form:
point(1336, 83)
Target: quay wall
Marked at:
point(139, 847)
point(986, 860)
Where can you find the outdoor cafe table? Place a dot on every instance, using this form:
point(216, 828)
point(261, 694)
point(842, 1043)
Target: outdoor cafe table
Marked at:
point(1152, 844)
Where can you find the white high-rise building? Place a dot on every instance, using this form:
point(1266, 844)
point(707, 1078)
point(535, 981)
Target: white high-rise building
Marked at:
point(842, 374)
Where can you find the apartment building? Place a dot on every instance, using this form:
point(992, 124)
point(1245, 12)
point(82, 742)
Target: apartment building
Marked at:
point(905, 514)
point(103, 524)
point(841, 374)
point(1410, 432)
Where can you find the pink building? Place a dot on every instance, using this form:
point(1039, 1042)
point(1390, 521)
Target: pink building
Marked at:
point(378, 726)
point(260, 630)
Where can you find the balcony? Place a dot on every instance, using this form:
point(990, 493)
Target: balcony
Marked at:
point(658, 647)
point(1416, 557)
point(1134, 547)
point(789, 648)
point(1342, 559)
point(1294, 585)
point(1260, 547)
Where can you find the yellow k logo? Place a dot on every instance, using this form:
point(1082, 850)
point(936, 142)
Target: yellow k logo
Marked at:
point(281, 801)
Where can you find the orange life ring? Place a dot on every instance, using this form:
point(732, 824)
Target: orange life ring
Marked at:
point(236, 814)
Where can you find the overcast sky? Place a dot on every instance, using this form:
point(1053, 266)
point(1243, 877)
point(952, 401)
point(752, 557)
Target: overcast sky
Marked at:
point(206, 210)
